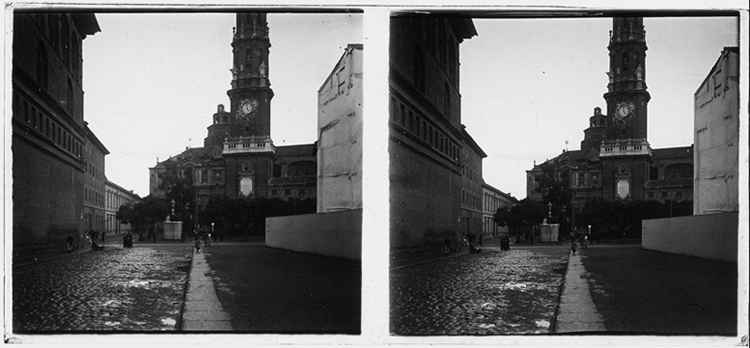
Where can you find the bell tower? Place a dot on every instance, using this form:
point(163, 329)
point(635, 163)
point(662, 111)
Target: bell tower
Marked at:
point(248, 151)
point(251, 92)
point(624, 150)
point(627, 97)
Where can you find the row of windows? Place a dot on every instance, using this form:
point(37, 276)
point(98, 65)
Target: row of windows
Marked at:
point(298, 193)
point(202, 176)
point(585, 179)
point(473, 224)
point(492, 203)
point(418, 126)
point(61, 39)
point(92, 196)
point(667, 195)
point(489, 225)
point(471, 199)
point(419, 81)
point(116, 200)
point(46, 126)
point(470, 174)
point(94, 222)
point(433, 32)
point(42, 77)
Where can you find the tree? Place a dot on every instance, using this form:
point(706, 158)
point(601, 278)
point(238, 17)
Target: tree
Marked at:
point(178, 186)
point(555, 191)
point(143, 214)
point(520, 218)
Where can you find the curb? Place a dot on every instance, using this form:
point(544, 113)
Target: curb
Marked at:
point(185, 290)
point(553, 328)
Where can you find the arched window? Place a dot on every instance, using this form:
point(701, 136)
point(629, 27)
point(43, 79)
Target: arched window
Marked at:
point(625, 65)
point(41, 65)
point(419, 69)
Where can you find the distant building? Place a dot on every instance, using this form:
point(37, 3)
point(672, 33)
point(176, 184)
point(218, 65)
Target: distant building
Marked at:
point(340, 135)
point(425, 131)
point(472, 210)
point(239, 158)
point(94, 196)
point(717, 126)
point(494, 199)
point(615, 161)
point(116, 196)
point(49, 132)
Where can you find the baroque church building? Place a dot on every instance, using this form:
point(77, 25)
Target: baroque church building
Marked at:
point(615, 161)
point(238, 157)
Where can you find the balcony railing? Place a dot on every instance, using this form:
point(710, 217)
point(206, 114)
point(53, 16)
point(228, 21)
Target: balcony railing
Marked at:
point(248, 145)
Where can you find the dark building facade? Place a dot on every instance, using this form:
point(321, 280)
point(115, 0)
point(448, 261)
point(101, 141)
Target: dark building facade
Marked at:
point(425, 131)
point(94, 197)
point(48, 129)
point(615, 161)
point(238, 158)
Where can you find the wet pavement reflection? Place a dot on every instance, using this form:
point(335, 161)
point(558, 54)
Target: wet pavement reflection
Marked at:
point(139, 289)
point(491, 293)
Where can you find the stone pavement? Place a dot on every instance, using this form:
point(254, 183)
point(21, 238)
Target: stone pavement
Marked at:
point(139, 289)
point(491, 293)
point(203, 311)
point(577, 312)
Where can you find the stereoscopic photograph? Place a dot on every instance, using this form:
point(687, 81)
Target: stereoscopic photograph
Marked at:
point(505, 176)
point(154, 186)
point(571, 172)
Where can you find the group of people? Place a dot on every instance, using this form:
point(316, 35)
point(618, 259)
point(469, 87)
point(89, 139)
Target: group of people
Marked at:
point(198, 236)
point(582, 239)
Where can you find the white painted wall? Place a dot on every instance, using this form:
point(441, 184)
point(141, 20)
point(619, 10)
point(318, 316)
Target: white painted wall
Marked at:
point(340, 135)
point(717, 138)
point(712, 236)
point(336, 234)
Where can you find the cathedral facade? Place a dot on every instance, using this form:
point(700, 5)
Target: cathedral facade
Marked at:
point(238, 158)
point(615, 161)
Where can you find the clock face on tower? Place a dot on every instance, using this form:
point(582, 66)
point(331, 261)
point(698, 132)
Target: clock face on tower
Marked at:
point(624, 110)
point(247, 108)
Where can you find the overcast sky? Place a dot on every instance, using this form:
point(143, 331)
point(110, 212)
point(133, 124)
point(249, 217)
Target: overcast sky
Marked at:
point(153, 81)
point(530, 85)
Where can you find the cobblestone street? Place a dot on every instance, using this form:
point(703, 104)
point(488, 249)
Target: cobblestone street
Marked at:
point(490, 293)
point(139, 289)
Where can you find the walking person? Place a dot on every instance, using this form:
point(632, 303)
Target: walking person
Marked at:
point(573, 246)
point(197, 243)
point(480, 239)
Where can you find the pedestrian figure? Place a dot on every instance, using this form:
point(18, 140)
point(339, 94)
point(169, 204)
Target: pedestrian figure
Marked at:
point(197, 243)
point(447, 244)
point(70, 243)
point(573, 246)
point(103, 236)
point(480, 239)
